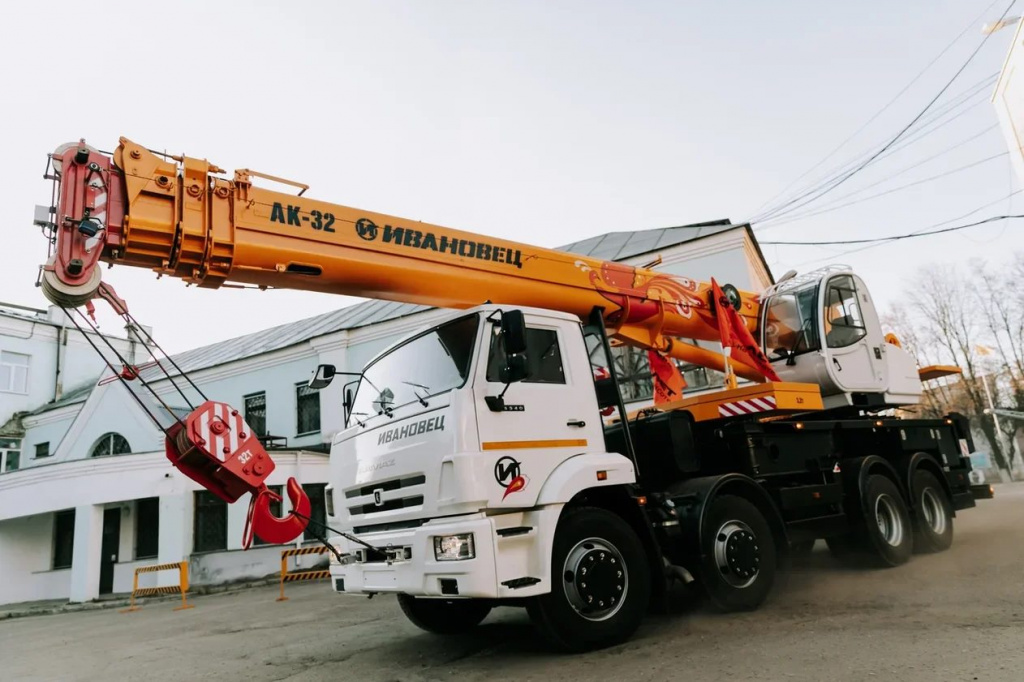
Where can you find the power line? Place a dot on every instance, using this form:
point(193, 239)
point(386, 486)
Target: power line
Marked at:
point(806, 198)
point(881, 111)
point(920, 134)
point(900, 188)
point(898, 237)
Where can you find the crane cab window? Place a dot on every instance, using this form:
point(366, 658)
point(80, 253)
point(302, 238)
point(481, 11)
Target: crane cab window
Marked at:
point(543, 357)
point(844, 323)
point(791, 323)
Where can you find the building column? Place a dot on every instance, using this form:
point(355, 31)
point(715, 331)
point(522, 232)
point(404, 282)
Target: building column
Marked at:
point(175, 542)
point(85, 560)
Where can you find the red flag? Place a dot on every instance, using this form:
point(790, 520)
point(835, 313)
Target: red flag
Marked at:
point(736, 336)
point(668, 382)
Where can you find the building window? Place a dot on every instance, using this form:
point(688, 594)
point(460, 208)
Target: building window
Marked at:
point(147, 528)
point(63, 538)
point(10, 454)
point(256, 413)
point(210, 531)
point(13, 372)
point(275, 509)
point(43, 449)
point(317, 510)
point(307, 409)
point(110, 444)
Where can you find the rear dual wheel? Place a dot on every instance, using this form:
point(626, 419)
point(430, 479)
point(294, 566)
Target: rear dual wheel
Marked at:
point(933, 522)
point(885, 536)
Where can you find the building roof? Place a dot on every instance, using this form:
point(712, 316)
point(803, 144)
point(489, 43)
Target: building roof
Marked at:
point(623, 245)
point(79, 394)
point(611, 246)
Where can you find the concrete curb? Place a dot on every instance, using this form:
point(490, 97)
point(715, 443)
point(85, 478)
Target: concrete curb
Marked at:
point(123, 602)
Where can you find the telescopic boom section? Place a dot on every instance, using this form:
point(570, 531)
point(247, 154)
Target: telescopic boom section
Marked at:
point(177, 216)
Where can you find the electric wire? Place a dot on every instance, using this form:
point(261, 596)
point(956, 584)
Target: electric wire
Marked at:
point(893, 238)
point(932, 125)
point(816, 194)
point(900, 188)
point(881, 111)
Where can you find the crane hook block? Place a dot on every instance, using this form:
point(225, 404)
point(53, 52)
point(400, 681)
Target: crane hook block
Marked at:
point(276, 530)
point(217, 449)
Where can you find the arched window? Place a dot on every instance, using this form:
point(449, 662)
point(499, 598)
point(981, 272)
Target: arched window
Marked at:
point(110, 444)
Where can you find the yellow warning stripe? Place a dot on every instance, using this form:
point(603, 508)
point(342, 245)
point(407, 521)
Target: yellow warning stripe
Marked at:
point(307, 575)
point(158, 567)
point(304, 550)
point(173, 589)
point(524, 444)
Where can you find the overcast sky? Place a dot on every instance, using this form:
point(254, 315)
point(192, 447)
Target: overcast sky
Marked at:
point(543, 122)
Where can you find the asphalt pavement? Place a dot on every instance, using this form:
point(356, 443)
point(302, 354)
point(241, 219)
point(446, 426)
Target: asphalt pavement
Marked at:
point(958, 615)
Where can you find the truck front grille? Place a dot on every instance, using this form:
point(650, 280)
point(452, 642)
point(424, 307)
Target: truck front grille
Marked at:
point(386, 505)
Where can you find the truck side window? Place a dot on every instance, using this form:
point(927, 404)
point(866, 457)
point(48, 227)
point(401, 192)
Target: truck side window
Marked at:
point(844, 324)
point(543, 357)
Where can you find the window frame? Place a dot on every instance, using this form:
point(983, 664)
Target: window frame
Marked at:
point(56, 544)
point(109, 437)
point(300, 386)
point(210, 501)
point(11, 366)
point(13, 447)
point(834, 286)
point(46, 445)
point(138, 518)
point(495, 342)
point(245, 413)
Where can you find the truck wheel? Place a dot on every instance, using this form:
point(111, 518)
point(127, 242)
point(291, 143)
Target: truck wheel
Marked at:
point(444, 616)
point(933, 525)
point(889, 539)
point(600, 583)
point(738, 557)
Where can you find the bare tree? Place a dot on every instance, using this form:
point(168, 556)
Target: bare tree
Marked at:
point(948, 318)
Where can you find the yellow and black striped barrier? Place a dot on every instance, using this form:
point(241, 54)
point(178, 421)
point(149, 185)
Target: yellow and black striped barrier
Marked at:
point(181, 587)
point(295, 576)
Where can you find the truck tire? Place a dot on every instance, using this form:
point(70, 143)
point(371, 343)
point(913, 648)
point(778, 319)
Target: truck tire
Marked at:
point(933, 523)
point(738, 554)
point(889, 535)
point(600, 583)
point(444, 616)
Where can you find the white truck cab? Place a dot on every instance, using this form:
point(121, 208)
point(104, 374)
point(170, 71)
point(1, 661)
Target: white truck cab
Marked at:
point(460, 471)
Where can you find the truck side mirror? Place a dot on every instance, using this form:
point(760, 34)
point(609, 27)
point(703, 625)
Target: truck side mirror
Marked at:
point(322, 376)
point(513, 332)
point(514, 369)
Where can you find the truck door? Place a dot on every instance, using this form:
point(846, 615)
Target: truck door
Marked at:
point(547, 418)
point(853, 336)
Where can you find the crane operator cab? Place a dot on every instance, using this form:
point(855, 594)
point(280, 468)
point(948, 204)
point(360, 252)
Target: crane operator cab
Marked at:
point(823, 328)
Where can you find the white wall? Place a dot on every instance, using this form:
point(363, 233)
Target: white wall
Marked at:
point(36, 334)
point(25, 560)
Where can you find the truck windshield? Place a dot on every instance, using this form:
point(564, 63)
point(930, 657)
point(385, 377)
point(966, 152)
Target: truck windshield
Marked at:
point(790, 324)
point(432, 363)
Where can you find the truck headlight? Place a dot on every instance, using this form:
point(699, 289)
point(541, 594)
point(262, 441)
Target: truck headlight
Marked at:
point(454, 547)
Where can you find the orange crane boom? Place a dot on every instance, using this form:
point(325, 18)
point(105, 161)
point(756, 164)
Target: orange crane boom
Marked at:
point(180, 217)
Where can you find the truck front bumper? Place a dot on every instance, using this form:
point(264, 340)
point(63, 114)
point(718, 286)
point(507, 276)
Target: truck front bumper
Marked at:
point(416, 571)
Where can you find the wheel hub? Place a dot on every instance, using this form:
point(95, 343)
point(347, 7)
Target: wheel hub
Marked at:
point(595, 579)
point(737, 554)
point(934, 515)
point(890, 523)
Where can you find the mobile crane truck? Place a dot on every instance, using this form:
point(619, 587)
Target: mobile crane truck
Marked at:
point(475, 469)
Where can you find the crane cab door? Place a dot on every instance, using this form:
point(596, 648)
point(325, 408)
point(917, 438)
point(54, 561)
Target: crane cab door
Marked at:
point(854, 347)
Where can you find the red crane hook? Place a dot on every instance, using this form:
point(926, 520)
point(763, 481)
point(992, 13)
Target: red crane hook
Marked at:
point(270, 528)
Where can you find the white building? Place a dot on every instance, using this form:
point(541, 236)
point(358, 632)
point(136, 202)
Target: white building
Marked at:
point(95, 497)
